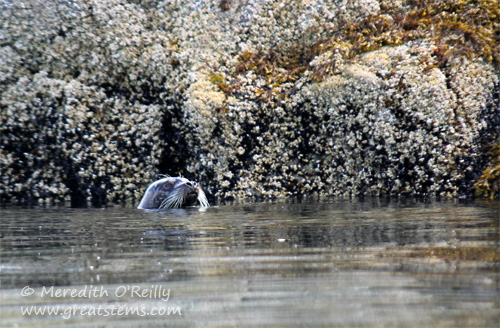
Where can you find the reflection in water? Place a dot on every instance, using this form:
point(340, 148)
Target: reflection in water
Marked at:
point(345, 263)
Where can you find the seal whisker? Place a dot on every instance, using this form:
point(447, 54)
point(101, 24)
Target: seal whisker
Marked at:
point(164, 203)
point(202, 198)
point(167, 202)
point(170, 202)
point(177, 200)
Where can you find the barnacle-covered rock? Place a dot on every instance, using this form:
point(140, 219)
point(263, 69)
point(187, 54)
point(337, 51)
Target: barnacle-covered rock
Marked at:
point(249, 98)
point(68, 142)
point(391, 126)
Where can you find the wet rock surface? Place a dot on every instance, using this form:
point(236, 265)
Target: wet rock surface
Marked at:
point(250, 99)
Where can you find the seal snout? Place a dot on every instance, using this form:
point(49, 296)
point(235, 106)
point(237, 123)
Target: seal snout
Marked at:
point(191, 184)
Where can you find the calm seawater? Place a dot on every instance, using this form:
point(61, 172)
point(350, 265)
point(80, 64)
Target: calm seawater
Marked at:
point(333, 263)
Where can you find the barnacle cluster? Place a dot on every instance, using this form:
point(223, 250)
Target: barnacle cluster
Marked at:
point(249, 98)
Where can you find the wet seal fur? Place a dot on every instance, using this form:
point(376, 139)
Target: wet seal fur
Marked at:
point(173, 192)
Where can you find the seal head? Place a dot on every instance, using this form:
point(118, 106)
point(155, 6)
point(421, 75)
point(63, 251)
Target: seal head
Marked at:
point(173, 193)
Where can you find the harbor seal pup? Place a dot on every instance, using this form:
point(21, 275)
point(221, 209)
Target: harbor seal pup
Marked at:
point(172, 192)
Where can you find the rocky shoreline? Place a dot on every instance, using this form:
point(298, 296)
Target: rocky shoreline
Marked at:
point(249, 98)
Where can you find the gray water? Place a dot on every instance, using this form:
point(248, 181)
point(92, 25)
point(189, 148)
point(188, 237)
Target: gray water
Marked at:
point(369, 263)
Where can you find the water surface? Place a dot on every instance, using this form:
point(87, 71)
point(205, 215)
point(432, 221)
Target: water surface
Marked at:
point(369, 263)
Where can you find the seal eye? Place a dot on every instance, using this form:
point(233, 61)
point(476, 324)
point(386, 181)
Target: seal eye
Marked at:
point(167, 186)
